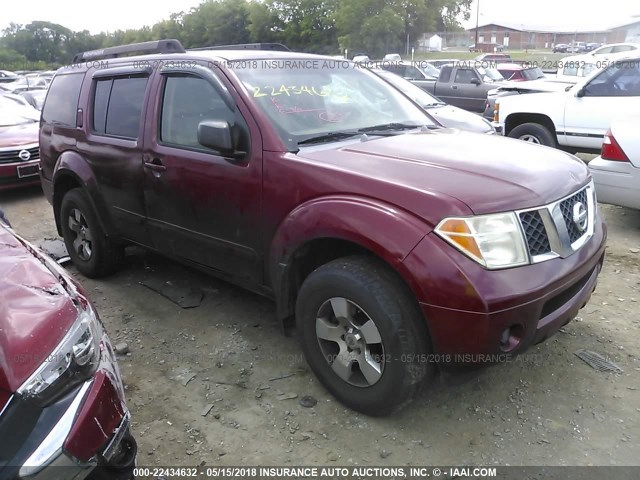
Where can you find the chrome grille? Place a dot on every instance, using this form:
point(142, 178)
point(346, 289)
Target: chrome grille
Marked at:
point(535, 233)
point(13, 156)
point(566, 207)
point(552, 231)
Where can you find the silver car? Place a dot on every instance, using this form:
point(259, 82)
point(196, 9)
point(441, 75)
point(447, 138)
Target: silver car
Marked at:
point(616, 172)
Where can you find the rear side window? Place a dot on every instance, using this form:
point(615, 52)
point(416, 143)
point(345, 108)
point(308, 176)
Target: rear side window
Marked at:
point(61, 105)
point(445, 74)
point(117, 106)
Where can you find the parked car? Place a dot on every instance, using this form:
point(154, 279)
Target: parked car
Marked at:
point(560, 48)
point(35, 98)
point(420, 73)
point(577, 47)
point(451, 230)
point(494, 58)
point(62, 403)
point(592, 46)
point(575, 68)
point(19, 155)
point(362, 59)
point(615, 50)
point(515, 72)
point(521, 88)
point(392, 57)
point(486, 47)
point(575, 120)
point(447, 115)
point(616, 172)
point(464, 85)
point(7, 76)
point(441, 61)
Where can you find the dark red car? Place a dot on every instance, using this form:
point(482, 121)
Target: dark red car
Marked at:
point(390, 244)
point(62, 406)
point(19, 155)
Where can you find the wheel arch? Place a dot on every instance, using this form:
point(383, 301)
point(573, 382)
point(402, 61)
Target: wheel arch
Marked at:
point(72, 171)
point(383, 235)
point(516, 119)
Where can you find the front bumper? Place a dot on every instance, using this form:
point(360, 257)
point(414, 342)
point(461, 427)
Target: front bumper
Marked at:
point(85, 434)
point(15, 175)
point(617, 183)
point(469, 309)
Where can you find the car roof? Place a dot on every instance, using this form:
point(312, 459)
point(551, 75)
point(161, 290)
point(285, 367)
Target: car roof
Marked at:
point(220, 56)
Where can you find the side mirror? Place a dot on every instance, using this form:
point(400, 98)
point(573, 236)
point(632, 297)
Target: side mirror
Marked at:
point(216, 135)
point(475, 81)
point(580, 92)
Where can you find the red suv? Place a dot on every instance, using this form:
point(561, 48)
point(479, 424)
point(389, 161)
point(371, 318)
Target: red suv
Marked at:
point(19, 155)
point(62, 407)
point(390, 244)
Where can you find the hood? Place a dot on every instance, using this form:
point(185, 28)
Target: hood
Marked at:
point(18, 135)
point(540, 85)
point(454, 117)
point(35, 311)
point(488, 173)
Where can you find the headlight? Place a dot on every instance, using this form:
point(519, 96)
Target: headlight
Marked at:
point(494, 241)
point(74, 360)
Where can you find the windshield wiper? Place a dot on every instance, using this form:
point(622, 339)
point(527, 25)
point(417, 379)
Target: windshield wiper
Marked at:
point(389, 126)
point(327, 137)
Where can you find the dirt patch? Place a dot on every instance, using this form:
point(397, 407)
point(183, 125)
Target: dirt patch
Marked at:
point(219, 384)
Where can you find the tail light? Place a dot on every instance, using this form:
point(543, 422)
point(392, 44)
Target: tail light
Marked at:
point(496, 112)
point(611, 149)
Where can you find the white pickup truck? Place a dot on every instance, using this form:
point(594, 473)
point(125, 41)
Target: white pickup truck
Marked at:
point(577, 119)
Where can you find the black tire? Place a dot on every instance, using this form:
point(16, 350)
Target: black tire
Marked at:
point(404, 349)
point(537, 133)
point(105, 256)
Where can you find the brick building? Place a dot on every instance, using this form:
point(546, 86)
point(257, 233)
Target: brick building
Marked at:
point(521, 36)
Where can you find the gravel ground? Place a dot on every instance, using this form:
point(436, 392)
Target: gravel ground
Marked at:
point(219, 384)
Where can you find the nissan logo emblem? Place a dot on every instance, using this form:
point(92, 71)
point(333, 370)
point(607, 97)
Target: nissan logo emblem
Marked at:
point(580, 216)
point(24, 155)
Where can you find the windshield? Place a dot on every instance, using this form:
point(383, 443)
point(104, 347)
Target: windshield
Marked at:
point(309, 98)
point(533, 73)
point(429, 69)
point(490, 74)
point(412, 91)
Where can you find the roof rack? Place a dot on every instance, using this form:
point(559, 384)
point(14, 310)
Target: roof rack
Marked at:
point(154, 46)
point(248, 46)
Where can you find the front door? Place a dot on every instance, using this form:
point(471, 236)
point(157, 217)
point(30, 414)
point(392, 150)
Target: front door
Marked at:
point(202, 206)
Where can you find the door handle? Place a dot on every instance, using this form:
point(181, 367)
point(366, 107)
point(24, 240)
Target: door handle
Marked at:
point(455, 87)
point(155, 165)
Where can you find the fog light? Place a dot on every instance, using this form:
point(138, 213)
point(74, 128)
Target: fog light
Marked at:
point(511, 338)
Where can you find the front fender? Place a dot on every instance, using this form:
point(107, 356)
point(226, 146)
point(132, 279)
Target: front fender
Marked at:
point(385, 230)
point(72, 167)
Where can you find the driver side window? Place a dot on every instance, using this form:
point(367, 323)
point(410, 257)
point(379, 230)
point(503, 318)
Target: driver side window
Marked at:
point(187, 101)
point(465, 75)
point(621, 80)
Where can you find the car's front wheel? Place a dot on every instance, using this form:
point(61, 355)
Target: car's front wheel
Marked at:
point(91, 251)
point(534, 133)
point(363, 334)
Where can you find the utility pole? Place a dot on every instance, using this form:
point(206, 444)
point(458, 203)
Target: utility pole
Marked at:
point(477, 20)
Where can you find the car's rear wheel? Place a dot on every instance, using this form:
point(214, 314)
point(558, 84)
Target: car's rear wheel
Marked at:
point(91, 251)
point(534, 133)
point(363, 334)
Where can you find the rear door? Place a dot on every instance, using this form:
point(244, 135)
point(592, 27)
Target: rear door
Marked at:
point(614, 93)
point(202, 206)
point(113, 146)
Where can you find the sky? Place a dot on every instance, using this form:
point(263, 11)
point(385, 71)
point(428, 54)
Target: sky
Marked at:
point(112, 15)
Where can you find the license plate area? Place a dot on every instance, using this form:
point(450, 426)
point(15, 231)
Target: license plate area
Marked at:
point(26, 171)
